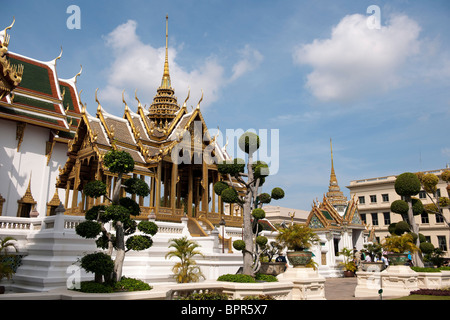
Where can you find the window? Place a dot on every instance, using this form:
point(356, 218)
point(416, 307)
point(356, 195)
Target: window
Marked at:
point(385, 197)
point(438, 193)
point(374, 219)
point(363, 217)
point(387, 218)
point(373, 198)
point(439, 218)
point(422, 195)
point(362, 200)
point(442, 243)
point(424, 217)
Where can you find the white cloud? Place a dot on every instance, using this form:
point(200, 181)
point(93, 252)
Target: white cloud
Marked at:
point(251, 59)
point(356, 60)
point(138, 65)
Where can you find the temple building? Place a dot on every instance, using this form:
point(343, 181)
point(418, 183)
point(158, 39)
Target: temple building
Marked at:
point(39, 114)
point(172, 150)
point(337, 222)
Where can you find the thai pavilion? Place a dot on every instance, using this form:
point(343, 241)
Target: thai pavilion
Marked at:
point(173, 153)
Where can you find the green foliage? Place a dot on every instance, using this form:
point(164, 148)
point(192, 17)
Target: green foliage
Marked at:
point(139, 242)
point(137, 186)
point(95, 189)
point(277, 193)
point(219, 187)
point(130, 284)
point(430, 182)
point(232, 167)
point(99, 263)
point(297, 237)
point(117, 213)
point(400, 207)
point(426, 247)
point(118, 161)
point(132, 206)
point(264, 198)
point(258, 213)
point(96, 213)
point(95, 287)
point(400, 244)
point(239, 245)
point(88, 229)
point(230, 195)
point(419, 269)
point(401, 227)
point(6, 265)
point(249, 142)
point(242, 278)
point(125, 284)
point(261, 241)
point(186, 270)
point(407, 184)
point(265, 277)
point(417, 207)
point(260, 169)
point(148, 227)
point(206, 296)
point(445, 176)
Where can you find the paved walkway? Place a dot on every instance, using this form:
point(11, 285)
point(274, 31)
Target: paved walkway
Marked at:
point(342, 289)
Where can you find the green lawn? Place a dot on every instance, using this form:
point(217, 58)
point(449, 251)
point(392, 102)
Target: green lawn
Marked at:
point(423, 297)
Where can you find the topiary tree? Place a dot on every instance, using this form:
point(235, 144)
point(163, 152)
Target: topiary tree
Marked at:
point(407, 185)
point(251, 176)
point(119, 214)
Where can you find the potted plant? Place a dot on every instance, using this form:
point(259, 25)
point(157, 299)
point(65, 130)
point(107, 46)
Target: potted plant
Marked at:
point(348, 263)
point(374, 250)
point(398, 248)
point(267, 265)
point(298, 238)
point(7, 261)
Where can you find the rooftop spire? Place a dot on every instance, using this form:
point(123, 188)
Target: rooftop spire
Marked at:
point(165, 83)
point(334, 194)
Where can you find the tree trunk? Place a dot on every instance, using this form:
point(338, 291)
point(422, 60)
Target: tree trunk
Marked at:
point(417, 256)
point(120, 252)
point(248, 232)
point(120, 237)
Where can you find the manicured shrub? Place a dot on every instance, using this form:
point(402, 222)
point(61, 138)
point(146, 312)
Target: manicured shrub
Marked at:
point(130, 284)
point(206, 296)
point(265, 277)
point(264, 198)
point(95, 189)
point(277, 193)
point(249, 142)
point(94, 287)
point(148, 227)
point(137, 186)
point(242, 278)
point(407, 184)
point(239, 245)
point(219, 187)
point(399, 206)
point(88, 229)
point(258, 213)
point(230, 195)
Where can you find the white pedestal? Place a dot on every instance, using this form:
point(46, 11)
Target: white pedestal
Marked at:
point(308, 284)
point(398, 281)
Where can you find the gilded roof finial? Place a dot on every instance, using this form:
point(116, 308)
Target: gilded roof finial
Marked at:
point(165, 83)
point(6, 36)
point(201, 98)
point(187, 98)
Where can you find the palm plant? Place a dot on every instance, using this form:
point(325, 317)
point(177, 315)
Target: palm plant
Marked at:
point(6, 267)
point(186, 270)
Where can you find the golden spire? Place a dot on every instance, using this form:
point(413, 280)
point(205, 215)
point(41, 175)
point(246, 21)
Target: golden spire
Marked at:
point(334, 194)
point(165, 83)
point(333, 179)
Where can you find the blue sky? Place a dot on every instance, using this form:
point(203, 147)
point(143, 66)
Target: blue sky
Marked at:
point(313, 70)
